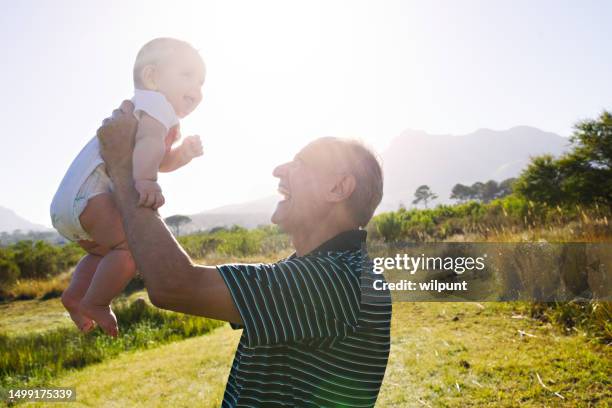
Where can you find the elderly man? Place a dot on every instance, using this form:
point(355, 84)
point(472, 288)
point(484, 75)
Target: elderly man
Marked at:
point(311, 336)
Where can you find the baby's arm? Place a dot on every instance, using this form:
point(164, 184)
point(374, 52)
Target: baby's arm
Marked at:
point(181, 155)
point(149, 152)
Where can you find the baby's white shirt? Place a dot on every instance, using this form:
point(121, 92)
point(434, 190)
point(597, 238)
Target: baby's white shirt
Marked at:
point(153, 103)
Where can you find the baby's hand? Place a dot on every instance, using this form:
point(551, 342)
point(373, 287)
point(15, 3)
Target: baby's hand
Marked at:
point(192, 147)
point(150, 194)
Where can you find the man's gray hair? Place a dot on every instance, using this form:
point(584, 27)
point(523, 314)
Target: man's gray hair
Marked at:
point(364, 164)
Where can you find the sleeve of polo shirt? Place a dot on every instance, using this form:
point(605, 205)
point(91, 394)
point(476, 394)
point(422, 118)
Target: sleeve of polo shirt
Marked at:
point(298, 300)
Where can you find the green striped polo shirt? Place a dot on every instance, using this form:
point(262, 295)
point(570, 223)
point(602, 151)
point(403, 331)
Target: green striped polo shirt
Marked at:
point(312, 337)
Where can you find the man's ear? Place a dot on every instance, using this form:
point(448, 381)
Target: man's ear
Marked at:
point(342, 188)
point(149, 77)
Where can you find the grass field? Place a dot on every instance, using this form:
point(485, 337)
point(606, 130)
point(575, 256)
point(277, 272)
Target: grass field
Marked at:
point(443, 355)
point(31, 316)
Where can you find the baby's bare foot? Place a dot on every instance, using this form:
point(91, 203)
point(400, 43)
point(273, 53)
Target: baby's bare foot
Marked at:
point(103, 315)
point(81, 321)
point(88, 326)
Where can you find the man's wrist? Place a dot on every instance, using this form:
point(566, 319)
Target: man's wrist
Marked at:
point(121, 176)
point(126, 195)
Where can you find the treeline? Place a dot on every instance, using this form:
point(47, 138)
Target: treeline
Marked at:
point(41, 260)
point(581, 176)
point(484, 192)
point(549, 192)
point(36, 260)
point(511, 214)
point(52, 237)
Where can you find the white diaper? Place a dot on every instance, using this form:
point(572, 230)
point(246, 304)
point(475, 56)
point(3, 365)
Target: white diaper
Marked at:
point(86, 177)
point(65, 213)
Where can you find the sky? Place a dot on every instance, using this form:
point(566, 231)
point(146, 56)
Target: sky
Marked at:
point(282, 73)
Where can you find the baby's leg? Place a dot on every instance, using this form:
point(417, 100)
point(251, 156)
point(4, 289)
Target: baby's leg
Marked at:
point(71, 298)
point(102, 221)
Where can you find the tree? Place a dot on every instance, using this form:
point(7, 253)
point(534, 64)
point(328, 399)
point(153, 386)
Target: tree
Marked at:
point(483, 192)
point(175, 222)
point(489, 191)
point(506, 187)
point(541, 181)
point(581, 176)
point(461, 193)
point(587, 169)
point(424, 194)
point(593, 141)
point(477, 190)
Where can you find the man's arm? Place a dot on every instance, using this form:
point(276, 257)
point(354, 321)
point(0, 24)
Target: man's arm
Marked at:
point(173, 281)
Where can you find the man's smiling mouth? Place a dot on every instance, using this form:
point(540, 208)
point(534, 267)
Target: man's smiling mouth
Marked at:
point(284, 191)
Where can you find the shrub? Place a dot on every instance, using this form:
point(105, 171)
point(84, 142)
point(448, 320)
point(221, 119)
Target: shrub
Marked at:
point(235, 242)
point(512, 213)
point(594, 318)
point(36, 260)
point(9, 272)
point(390, 226)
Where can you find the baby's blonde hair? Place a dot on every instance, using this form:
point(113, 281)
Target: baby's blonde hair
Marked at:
point(154, 52)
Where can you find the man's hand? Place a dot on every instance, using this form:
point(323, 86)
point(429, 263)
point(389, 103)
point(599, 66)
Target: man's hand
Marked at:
point(116, 136)
point(192, 147)
point(172, 280)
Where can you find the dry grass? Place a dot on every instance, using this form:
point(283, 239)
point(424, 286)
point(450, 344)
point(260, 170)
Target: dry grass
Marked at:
point(38, 289)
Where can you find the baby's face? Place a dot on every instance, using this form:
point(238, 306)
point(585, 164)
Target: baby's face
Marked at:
point(181, 79)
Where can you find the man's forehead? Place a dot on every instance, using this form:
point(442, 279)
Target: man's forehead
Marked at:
point(322, 153)
point(317, 150)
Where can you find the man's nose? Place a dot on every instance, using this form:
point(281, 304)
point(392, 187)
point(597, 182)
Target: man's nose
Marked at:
point(280, 170)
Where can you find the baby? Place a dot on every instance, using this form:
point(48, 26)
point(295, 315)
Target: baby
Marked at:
point(168, 76)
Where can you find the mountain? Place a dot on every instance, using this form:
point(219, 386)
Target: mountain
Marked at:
point(415, 158)
point(248, 215)
point(9, 221)
point(441, 161)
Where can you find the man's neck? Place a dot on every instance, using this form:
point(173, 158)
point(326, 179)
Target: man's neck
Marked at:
point(308, 239)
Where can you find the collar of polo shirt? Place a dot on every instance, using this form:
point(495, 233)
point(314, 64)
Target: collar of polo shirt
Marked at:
point(352, 240)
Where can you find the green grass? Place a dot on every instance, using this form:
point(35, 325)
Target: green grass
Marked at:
point(32, 316)
point(188, 373)
point(469, 354)
point(442, 355)
point(34, 358)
